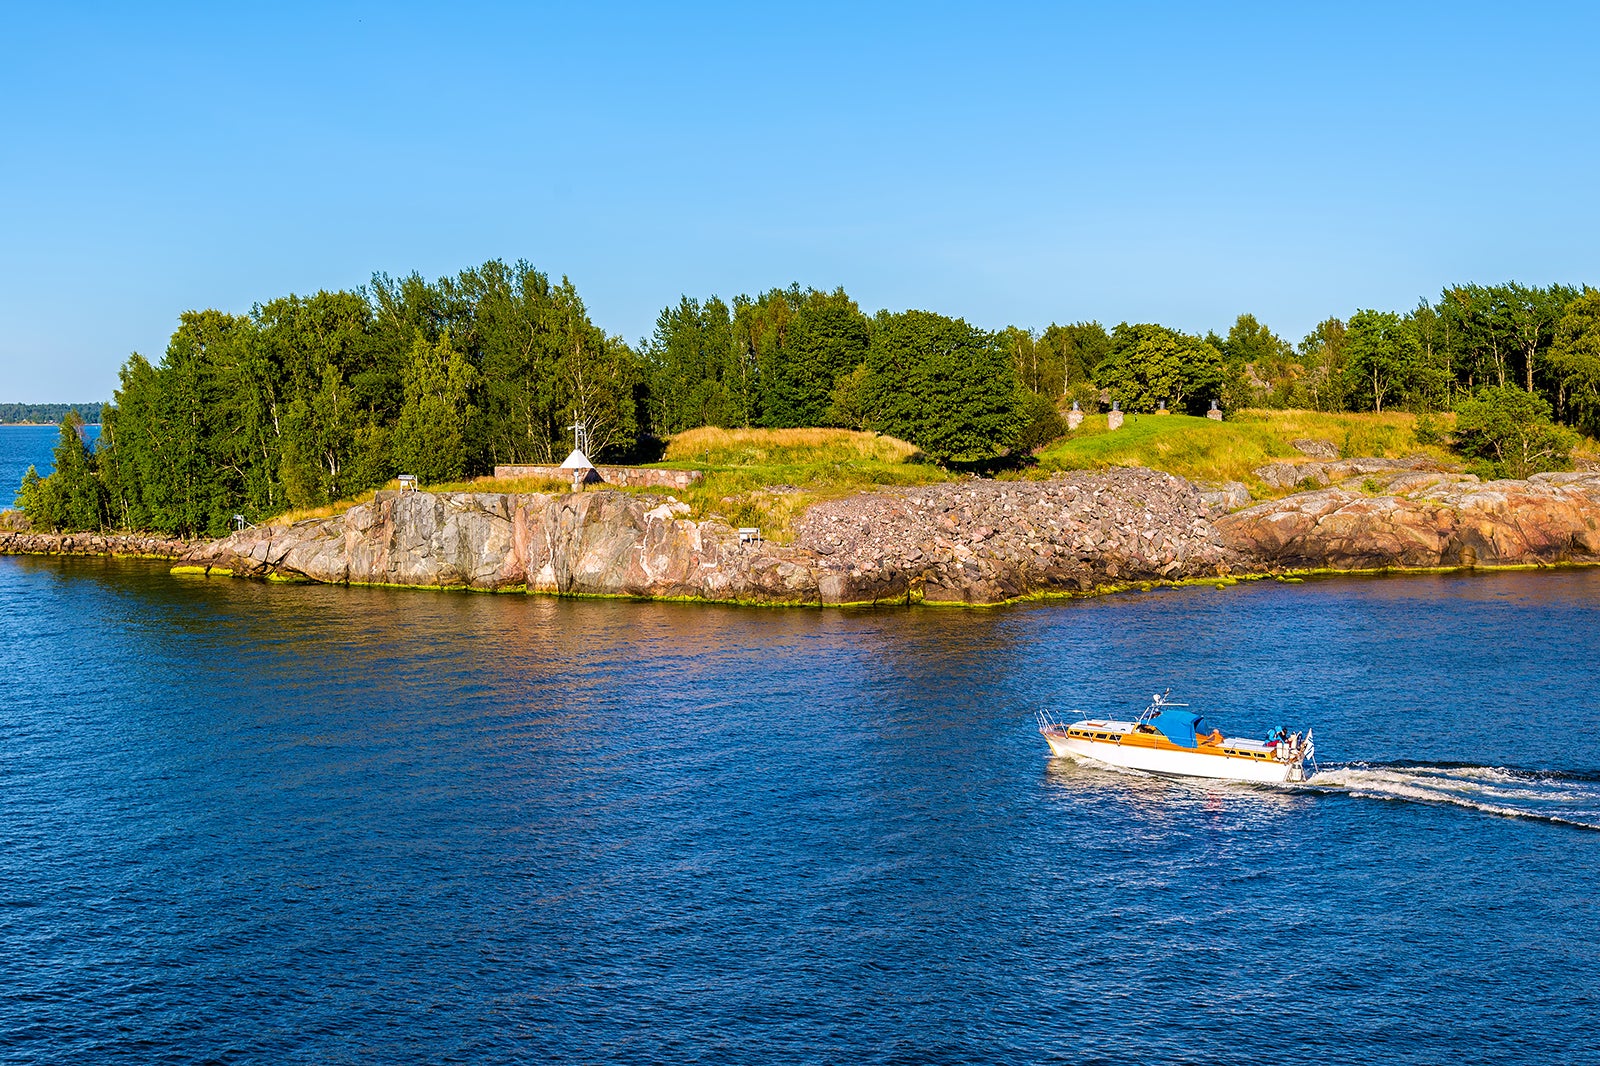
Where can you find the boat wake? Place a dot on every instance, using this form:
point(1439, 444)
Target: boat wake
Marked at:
point(1562, 799)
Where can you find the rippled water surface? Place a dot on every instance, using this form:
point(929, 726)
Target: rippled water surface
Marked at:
point(253, 823)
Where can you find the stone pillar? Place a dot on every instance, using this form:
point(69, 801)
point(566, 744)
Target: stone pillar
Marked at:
point(1114, 419)
point(1074, 416)
point(1161, 408)
point(1214, 414)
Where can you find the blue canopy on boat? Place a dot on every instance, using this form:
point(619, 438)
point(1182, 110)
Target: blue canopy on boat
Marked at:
point(1178, 725)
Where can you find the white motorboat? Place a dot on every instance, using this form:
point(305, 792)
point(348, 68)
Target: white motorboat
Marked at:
point(1168, 738)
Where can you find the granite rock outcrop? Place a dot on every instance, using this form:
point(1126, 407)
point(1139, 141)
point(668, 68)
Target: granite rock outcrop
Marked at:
point(969, 542)
point(1320, 474)
point(1423, 519)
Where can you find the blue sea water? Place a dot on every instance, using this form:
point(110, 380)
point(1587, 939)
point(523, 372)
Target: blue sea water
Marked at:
point(25, 446)
point(248, 823)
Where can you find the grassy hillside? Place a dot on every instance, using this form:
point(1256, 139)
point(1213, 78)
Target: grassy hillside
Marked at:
point(753, 477)
point(710, 446)
point(768, 477)
point(1201, 449)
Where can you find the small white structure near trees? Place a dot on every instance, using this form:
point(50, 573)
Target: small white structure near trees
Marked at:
point(582, 469)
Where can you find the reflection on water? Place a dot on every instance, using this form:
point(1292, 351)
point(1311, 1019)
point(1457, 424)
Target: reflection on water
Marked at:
point(1160, 798)
point(269, 823)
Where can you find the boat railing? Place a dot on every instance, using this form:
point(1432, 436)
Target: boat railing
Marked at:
point(1158, 703)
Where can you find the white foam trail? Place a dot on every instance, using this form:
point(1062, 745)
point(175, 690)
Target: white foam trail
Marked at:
point(1488, 789)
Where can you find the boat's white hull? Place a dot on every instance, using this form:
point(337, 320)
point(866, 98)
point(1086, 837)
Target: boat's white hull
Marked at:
point(1181, 763)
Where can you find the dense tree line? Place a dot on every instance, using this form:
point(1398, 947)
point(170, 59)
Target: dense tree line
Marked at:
point(305, 400)
point(1545, 341)
point(794, 357)
point(46, 414)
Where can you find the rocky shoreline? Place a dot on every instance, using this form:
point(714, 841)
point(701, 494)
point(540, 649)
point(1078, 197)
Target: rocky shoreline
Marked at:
point(973, 542)
point(1406, 518)
point(136, 545)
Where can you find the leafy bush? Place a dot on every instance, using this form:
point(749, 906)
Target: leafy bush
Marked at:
point(1512, 429)
point(1042, 422)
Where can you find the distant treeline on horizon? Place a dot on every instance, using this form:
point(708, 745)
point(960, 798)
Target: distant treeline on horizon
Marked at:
point(47, 414)
point(305, 400)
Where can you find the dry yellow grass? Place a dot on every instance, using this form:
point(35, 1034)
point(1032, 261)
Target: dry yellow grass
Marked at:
point(764, 447)
point(327, 510)
point(490, 483)
point(1390, 434)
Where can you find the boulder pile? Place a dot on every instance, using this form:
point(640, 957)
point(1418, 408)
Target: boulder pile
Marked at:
point(990, 541)
point(151, 546)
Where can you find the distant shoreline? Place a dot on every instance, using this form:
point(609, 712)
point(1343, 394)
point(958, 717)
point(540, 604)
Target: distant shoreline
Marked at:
point(36, 425)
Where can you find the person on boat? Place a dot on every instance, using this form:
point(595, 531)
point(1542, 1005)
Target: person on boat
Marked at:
point(1213, 737)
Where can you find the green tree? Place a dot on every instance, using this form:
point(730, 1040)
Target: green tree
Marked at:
point(430, 439)
point(1262, 364)
point(1381, 354)
point(72, 498)
point(1040, 365)
point(543, 366)
point(848, 405)
point(1076, 349)
point(945, 386)
point(79, 491)
point(1511, 428)
point(36, 500)
point(828, 340)
point(800, 342)
point(1041, 421)
point(1323, 354)
point(1150, 365)
point(319, 442)
point(130, 445)
point(695, 374)
point(1434, 386)
point(1575, 358)
point(1531, 314)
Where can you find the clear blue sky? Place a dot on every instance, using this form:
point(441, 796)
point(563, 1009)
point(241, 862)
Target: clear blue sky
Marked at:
point(1023, 166)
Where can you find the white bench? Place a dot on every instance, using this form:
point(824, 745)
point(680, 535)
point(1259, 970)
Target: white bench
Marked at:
point(749, 535)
